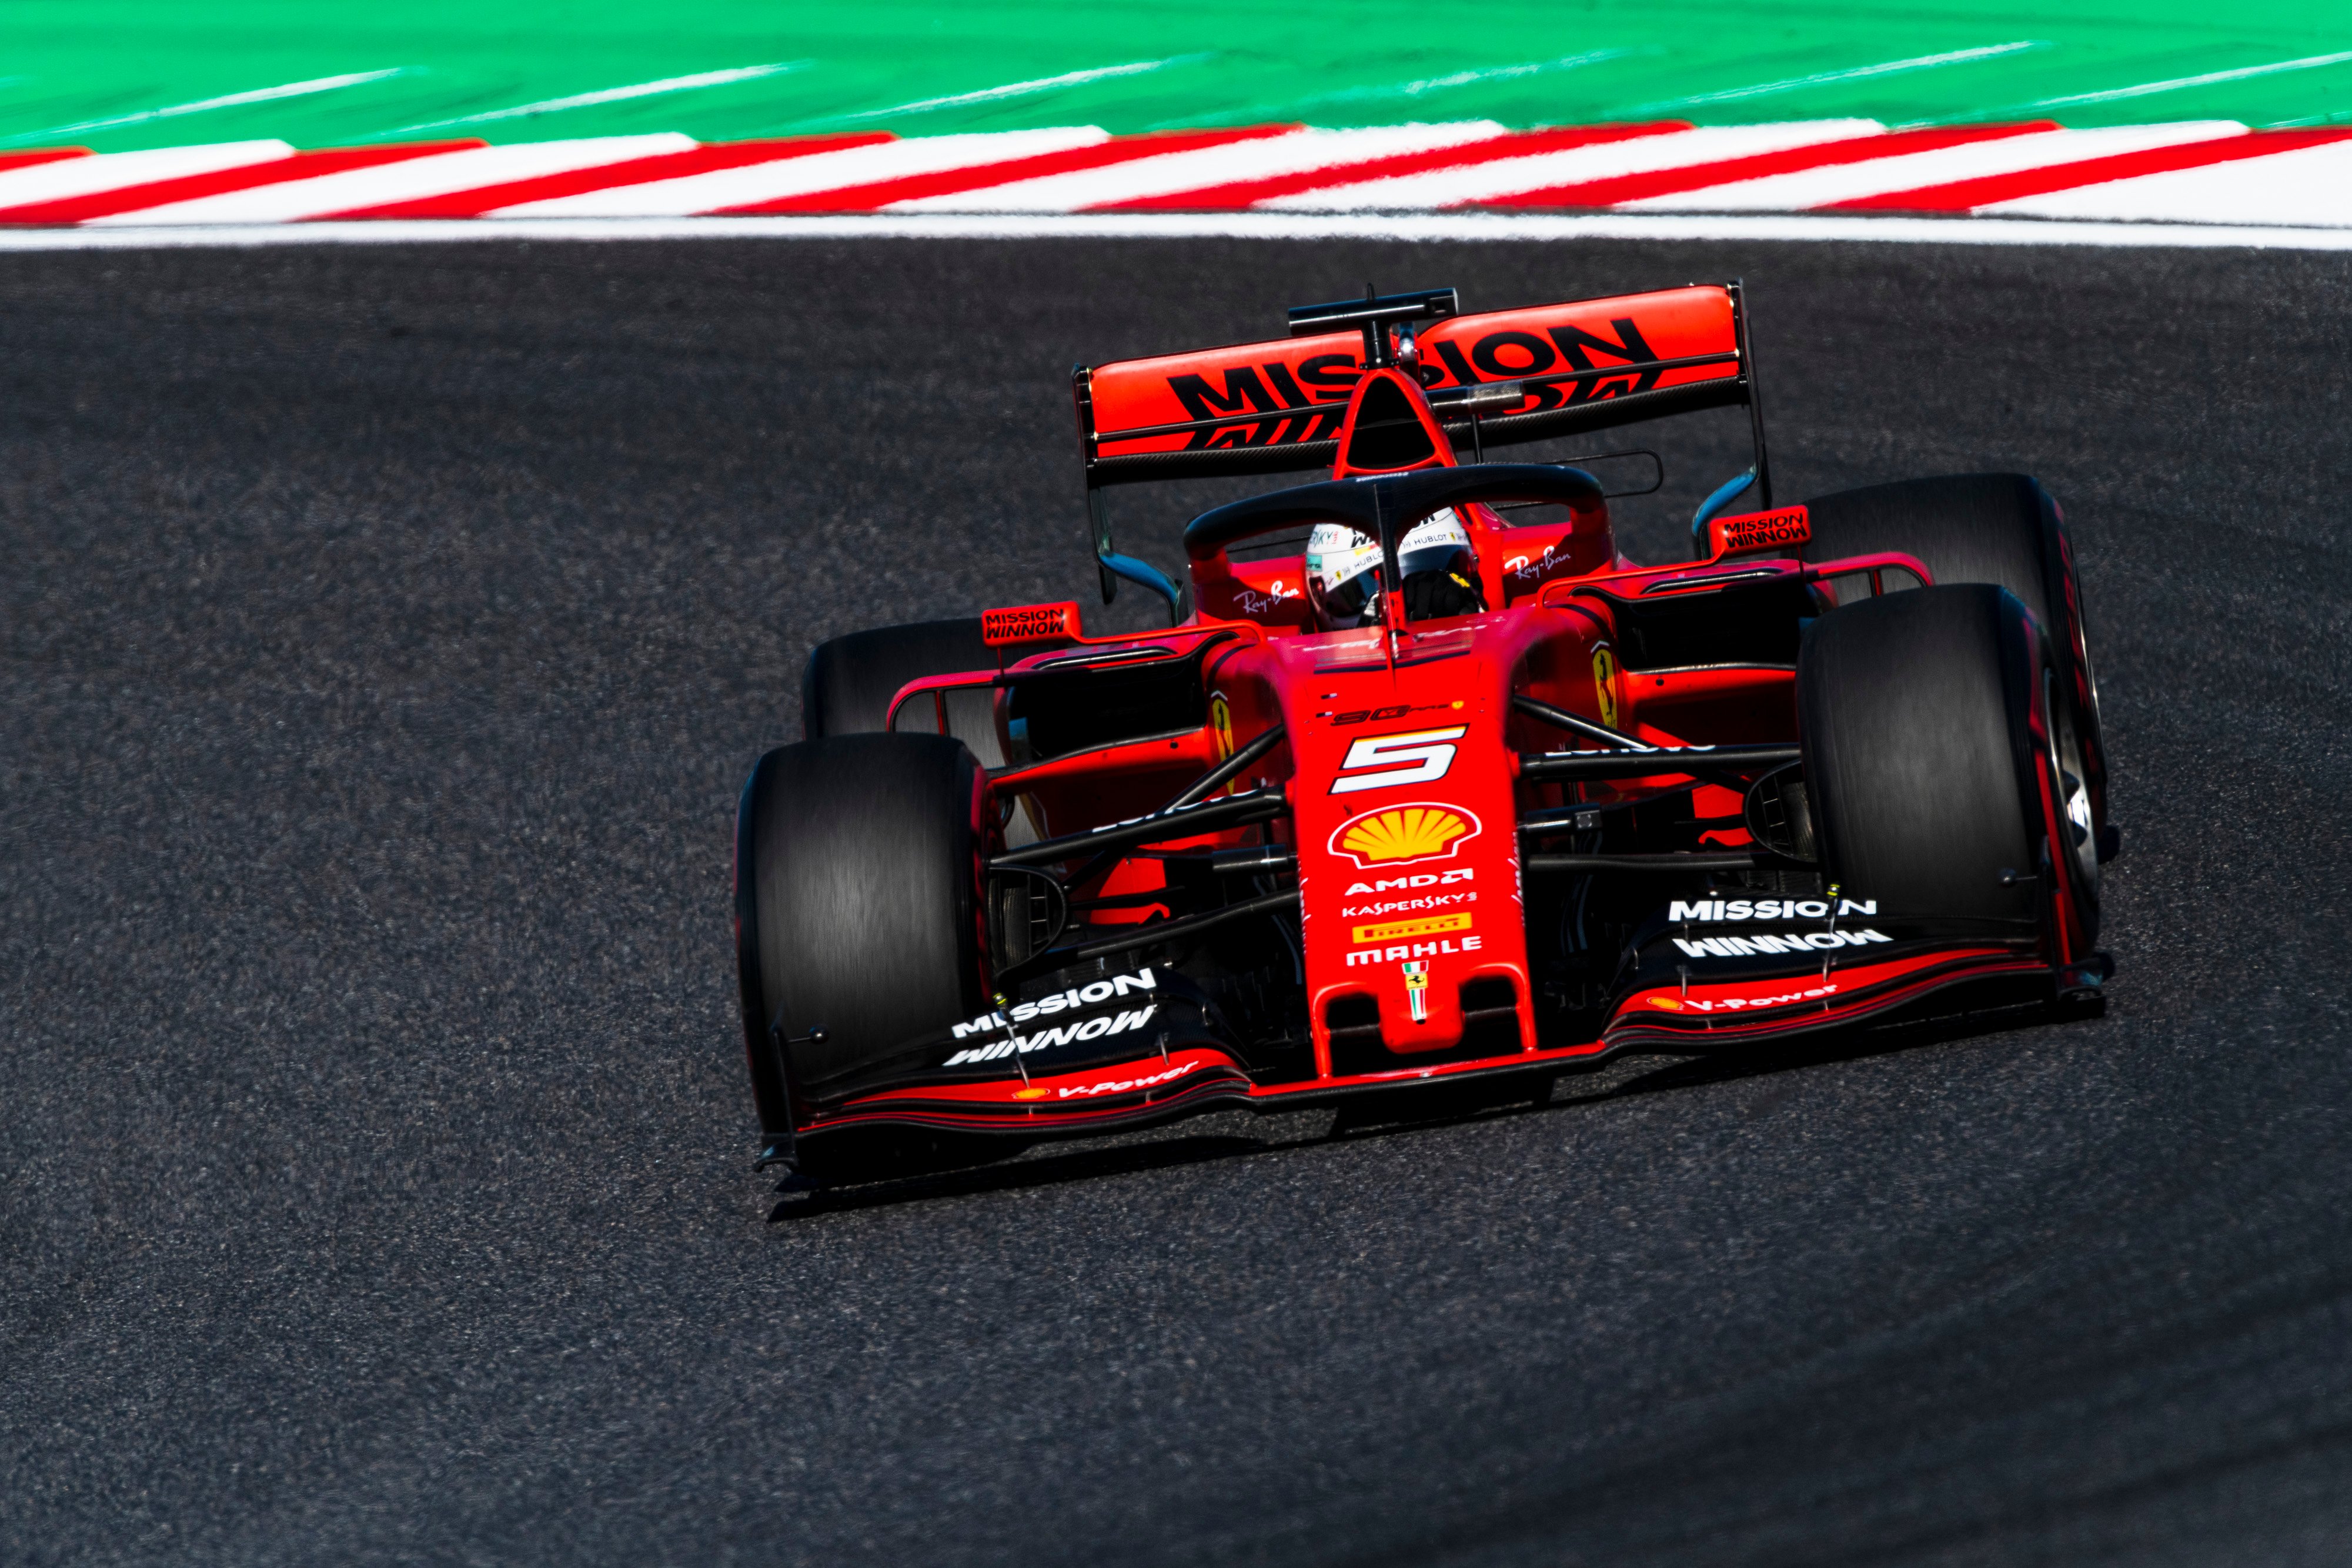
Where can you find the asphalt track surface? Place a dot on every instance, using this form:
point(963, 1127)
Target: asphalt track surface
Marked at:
point(388, 632)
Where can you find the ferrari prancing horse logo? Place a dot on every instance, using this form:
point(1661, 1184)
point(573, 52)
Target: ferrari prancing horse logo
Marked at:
point(1605, 683)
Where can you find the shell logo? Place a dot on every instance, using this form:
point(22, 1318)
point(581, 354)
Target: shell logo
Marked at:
point(1031, 1092)
point(1668, 1003)
point(1419, 831)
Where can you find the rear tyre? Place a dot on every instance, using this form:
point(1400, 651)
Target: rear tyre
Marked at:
point(1999, 529)
point(849, 681)
point(856, 903)
point(1934, 748)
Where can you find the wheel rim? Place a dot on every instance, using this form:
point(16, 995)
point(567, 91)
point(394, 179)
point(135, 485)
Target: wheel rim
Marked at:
point(2074, 824)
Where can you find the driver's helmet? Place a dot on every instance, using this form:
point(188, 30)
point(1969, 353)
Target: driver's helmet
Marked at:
point(1440, 573)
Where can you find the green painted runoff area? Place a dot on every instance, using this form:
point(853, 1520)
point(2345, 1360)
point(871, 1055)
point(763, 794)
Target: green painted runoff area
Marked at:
point(116, 75)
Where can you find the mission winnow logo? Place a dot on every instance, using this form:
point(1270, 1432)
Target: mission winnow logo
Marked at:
point(1729, 911)
point(1095, 1028)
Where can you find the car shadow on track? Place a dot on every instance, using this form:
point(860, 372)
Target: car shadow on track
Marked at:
point(1416, 1110)
point(1017, 1175)
point(1821, 1049)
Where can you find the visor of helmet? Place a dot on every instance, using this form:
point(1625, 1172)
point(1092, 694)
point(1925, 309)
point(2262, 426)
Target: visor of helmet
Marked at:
point(1344, 566)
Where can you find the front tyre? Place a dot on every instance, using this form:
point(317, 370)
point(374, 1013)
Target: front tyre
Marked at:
point(1941, 761)
point(1999, 529)
point(857, 907)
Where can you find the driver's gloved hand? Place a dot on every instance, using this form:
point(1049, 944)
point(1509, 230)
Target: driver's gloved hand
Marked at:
point(1431, 594)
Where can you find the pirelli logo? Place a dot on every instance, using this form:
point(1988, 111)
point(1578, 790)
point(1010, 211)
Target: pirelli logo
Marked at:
point(1405, 930)
point(1029, 623)
point(1784, 529)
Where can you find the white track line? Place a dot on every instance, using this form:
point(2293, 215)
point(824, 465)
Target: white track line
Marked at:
point(722, 188)
point(1851, 73)
point(2148, 88)
point(437, 175)
point(2310, 186)
point(695, 83)
point(1170, 174)
point(1423, 86)
point(1492, 227)
point(1913, 171)
point(1024, 89)
point(226, 101)
point(1508, 176)
point(111, 171)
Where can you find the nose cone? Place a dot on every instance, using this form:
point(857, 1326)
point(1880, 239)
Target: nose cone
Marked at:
point(1408, 852)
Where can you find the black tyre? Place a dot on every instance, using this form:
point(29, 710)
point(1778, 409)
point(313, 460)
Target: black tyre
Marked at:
point(847, 686)
point(1999, 529)
point(856, 903)
point(1934, 744)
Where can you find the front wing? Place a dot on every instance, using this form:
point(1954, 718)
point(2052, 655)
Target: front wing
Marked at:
point(1145, 1044)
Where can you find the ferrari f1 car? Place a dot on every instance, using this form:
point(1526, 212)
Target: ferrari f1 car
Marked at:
point(1425, 783)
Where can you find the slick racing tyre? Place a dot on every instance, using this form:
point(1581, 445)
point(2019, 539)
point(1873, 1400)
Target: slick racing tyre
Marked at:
point(856, 903)
point(1937, 749)
point(2001, 528)
point(849, 681)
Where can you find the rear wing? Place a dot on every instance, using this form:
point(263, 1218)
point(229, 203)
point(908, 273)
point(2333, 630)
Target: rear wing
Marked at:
point(1276, 407)
point(1496, 377)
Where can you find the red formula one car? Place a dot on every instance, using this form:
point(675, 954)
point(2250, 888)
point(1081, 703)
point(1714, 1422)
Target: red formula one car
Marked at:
point(1426, 783)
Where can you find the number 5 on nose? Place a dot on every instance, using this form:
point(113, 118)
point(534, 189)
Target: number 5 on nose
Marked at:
point(1415, 756)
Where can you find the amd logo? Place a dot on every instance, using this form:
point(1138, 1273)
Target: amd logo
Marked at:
point(1418, 879)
